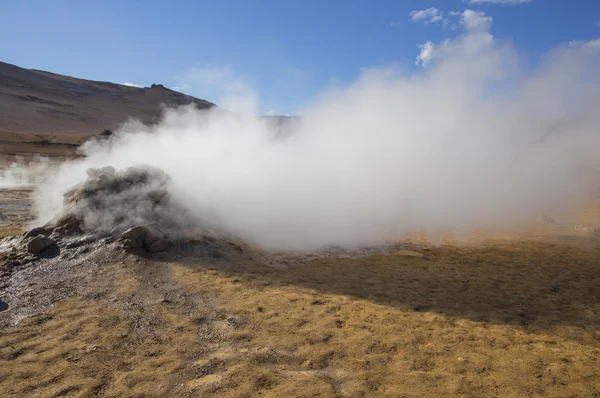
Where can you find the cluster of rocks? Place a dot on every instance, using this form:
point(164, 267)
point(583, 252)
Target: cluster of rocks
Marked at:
point(131, 207)
point(110, 201)
point(144, 237)
point(20, 250)
point(37, 240)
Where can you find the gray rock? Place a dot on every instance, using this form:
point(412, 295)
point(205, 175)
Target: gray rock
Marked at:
point(135, 233)
point(151, 238)
point(46, 231)
point(108, 170)
point(72, 191)
point(68, 225)
point(135, 175)
point(93, 173)
point(81, 241)
point(137, 237)
point(159, 246)
point(39, 244)
point(132, 243)
point(102, 179)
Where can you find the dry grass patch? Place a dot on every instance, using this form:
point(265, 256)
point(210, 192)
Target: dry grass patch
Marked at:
point(86, 347)
point(10, 230)
point(503, 319)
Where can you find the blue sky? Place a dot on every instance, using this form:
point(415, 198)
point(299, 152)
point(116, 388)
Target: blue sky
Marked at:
point(287, 51)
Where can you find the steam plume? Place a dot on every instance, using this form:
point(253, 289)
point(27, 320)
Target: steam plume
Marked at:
point(471, 141)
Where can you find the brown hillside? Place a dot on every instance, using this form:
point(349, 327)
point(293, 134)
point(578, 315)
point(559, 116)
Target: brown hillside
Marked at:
point(43, 112)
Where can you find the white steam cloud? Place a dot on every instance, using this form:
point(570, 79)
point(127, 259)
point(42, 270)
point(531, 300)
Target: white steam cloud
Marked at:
point(22, 173)
point(472, 141)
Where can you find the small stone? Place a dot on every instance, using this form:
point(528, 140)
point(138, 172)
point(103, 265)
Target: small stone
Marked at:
point(132, 243)
point(159, 246)
point(10, 264)
point(102, 179)
point(135, 233)
point(39, 244)
point(93, 173)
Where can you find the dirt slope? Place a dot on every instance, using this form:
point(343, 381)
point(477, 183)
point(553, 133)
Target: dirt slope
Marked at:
point(36, 106)
point(38, 102)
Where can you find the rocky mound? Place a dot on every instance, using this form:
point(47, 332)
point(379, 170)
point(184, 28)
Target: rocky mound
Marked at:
point(131, 207)
point(110, 201)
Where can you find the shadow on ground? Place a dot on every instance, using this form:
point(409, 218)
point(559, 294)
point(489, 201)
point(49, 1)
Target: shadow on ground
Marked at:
point(541, 287)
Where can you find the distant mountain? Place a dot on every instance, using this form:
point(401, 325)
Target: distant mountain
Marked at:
point(34, 102)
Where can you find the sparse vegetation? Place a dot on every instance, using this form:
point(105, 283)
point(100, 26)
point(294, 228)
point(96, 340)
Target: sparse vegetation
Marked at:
point(504, 318)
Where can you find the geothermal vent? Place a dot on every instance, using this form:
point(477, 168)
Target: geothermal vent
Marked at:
point(132, 207)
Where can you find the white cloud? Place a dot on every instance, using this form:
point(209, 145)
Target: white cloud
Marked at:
point(424, 14)
point(430, 15)
point(475, 20)
point(132, 84)
point(475, 39)
point(426, 54)
point(513, 2)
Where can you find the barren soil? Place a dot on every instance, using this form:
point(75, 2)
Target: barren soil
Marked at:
point(47, 114)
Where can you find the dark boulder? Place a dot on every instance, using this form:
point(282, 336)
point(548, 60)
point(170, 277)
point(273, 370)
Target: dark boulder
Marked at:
point(39, 244)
